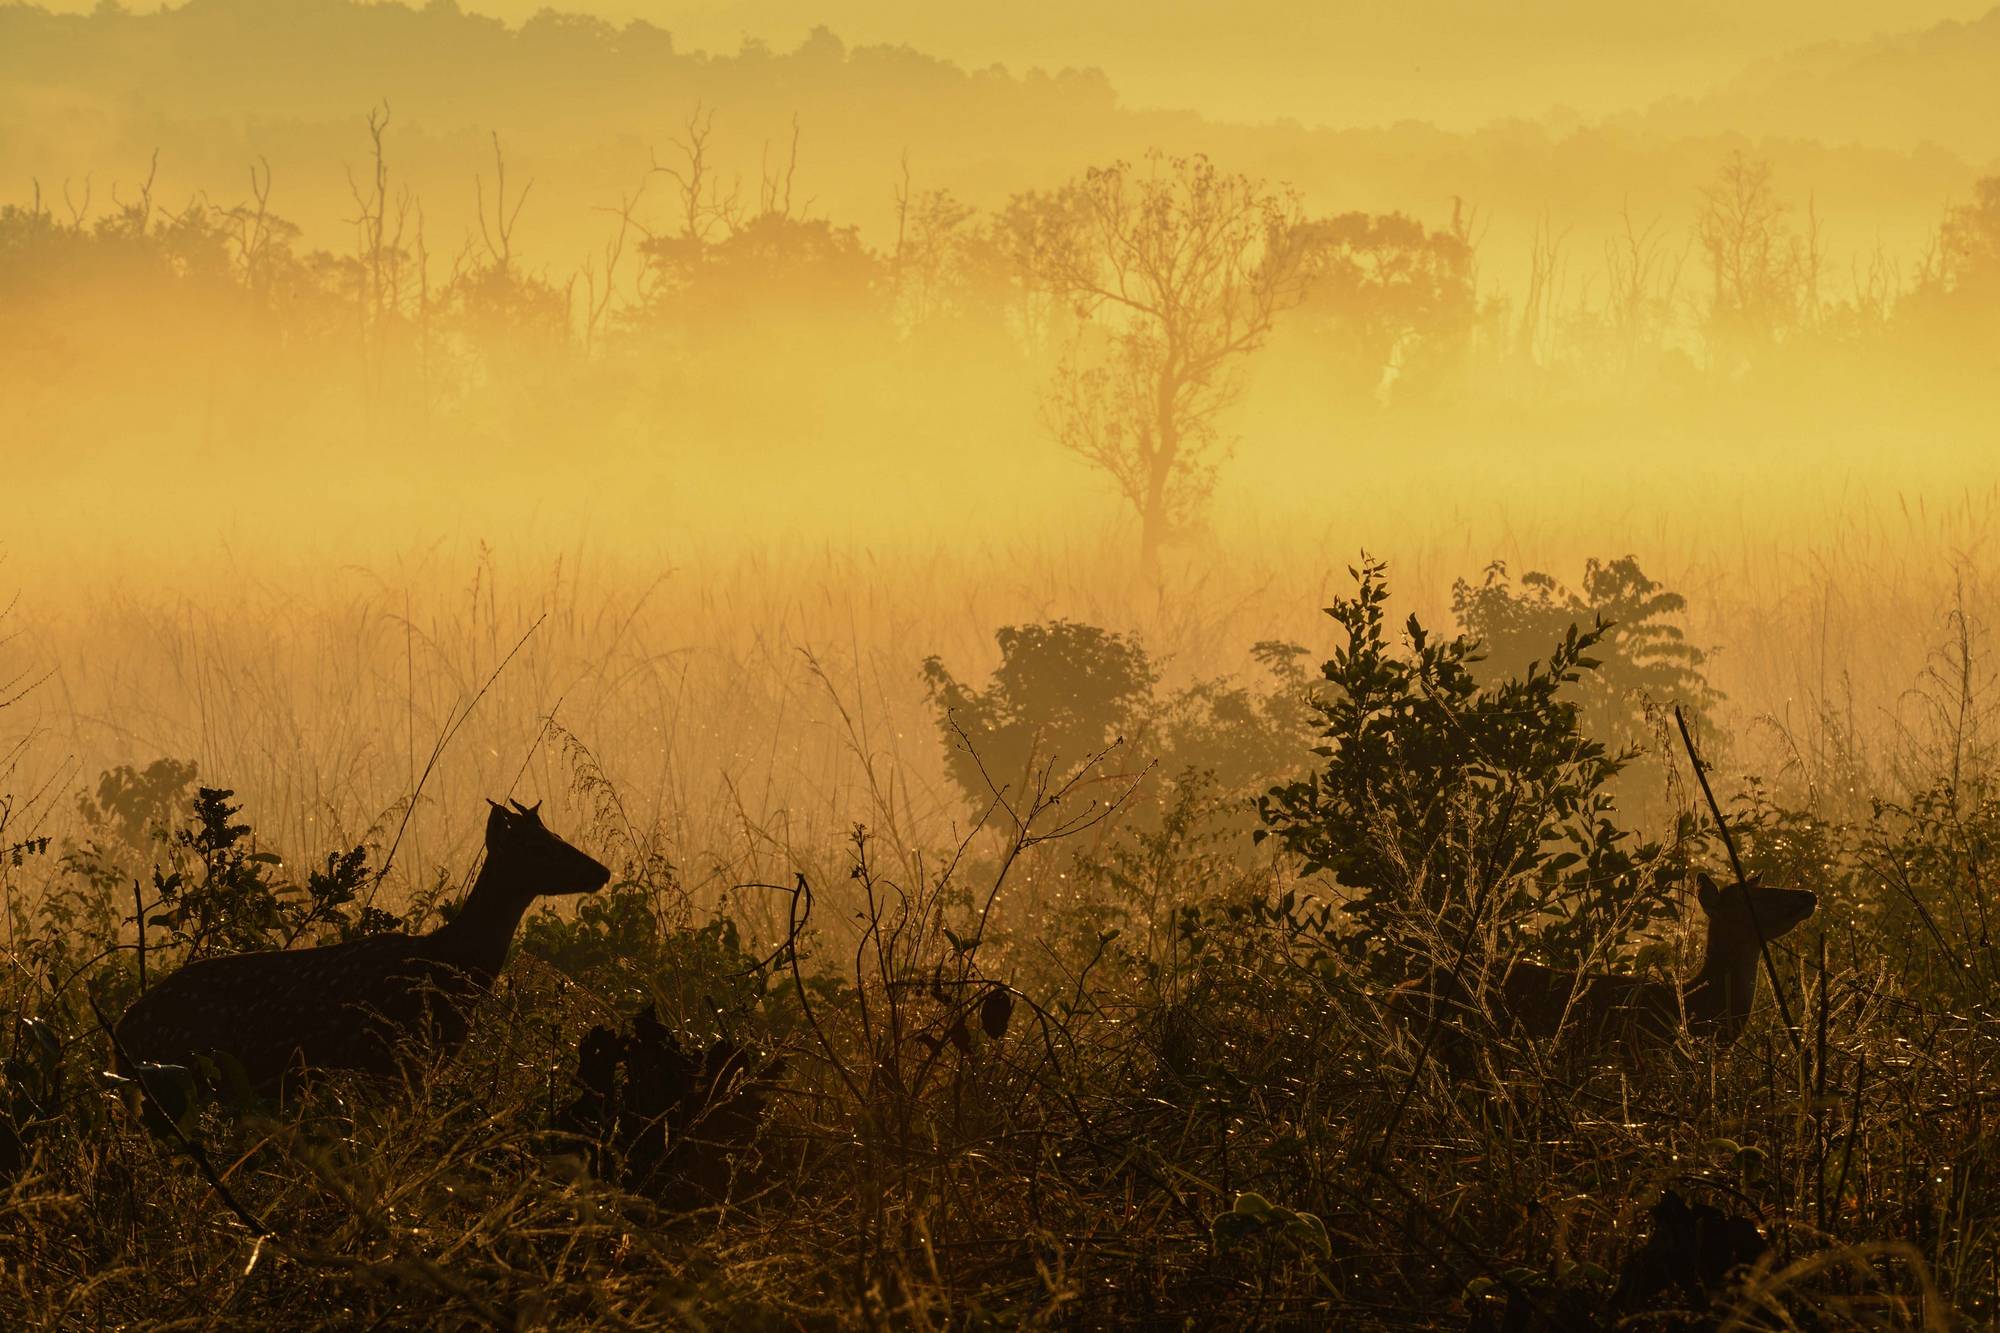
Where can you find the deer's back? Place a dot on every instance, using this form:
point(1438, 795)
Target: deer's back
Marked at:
point(1603, 1009)
point(342, 1006)
point(1600, 1011)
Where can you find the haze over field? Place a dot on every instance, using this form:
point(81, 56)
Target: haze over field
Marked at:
point(790, 437)
point(588, 111)
point(1445, 63)
point(1671, 319)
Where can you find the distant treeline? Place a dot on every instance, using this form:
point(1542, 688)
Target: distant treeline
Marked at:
point(708, 272)
point(586, 106)
point(720, 299)
point(698, 263)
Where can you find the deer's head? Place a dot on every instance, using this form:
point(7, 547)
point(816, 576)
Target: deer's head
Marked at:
point(533, 860)
point(1750, 909)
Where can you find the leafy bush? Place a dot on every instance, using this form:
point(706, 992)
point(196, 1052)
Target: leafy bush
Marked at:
point(136, 806)
point(1062, 694)
point(129, 819)
point(675, 1124)
point(701, 979)
point(1445, 802)
point(1910, 873)
point(1066, 693)
point(1644, 663)
point(218, 894)
point(208, 885)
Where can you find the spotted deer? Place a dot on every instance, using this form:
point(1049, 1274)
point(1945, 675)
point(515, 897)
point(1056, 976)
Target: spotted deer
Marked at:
point(360, 1004)
point(1616, 1014)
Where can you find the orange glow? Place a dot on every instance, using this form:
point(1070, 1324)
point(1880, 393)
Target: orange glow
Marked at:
point(828, 375)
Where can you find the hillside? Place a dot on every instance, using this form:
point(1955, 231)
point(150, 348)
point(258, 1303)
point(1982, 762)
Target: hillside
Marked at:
point(1939, 85)
point(585, 108)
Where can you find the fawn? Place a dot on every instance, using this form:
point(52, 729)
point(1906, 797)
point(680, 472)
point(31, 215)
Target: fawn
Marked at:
point(1608, 1011)
point(353, 1005)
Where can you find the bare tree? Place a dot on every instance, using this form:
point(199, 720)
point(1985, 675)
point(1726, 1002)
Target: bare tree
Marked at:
point(254, 226)
point(379, 236)
point(1547, 270)
point(932, 231)
point(1176, 272)
point(381, 260)
point(1642, 278)
point(137, 217)
point(597, 299)
point(775, 196)
point(79, 209)
point(1967, 249)
point(1765, 276)
point(499, 238)
point(702, 205)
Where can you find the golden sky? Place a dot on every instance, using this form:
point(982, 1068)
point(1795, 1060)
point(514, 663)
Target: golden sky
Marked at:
point(1456, 63)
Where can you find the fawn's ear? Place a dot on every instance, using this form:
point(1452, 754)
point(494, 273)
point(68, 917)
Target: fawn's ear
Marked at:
point(497, 820)
point(1705, 891)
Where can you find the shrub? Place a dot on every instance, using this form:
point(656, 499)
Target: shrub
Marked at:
point(1062, 694)
point(1644, 661)
point(702, 979)
point(1447, 802)
point(1066, 693)
point(219, 893)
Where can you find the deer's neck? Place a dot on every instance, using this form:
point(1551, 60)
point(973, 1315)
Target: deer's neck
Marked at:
point(1718, 997)
point(477, 938)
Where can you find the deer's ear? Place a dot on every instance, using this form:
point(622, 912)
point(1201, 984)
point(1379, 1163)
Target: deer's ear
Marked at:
point(1706, 893)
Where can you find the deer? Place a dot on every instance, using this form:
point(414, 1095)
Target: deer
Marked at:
point(1627, 1015)
point(363, 1004)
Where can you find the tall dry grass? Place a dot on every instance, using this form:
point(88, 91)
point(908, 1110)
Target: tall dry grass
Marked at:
point(738, 712)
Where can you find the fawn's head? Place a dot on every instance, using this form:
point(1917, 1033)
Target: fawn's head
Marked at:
point(1747, 909)
point(533, 861)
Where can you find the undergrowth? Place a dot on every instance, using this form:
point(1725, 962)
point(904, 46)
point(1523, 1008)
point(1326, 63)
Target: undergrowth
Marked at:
point(1105, 1059)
